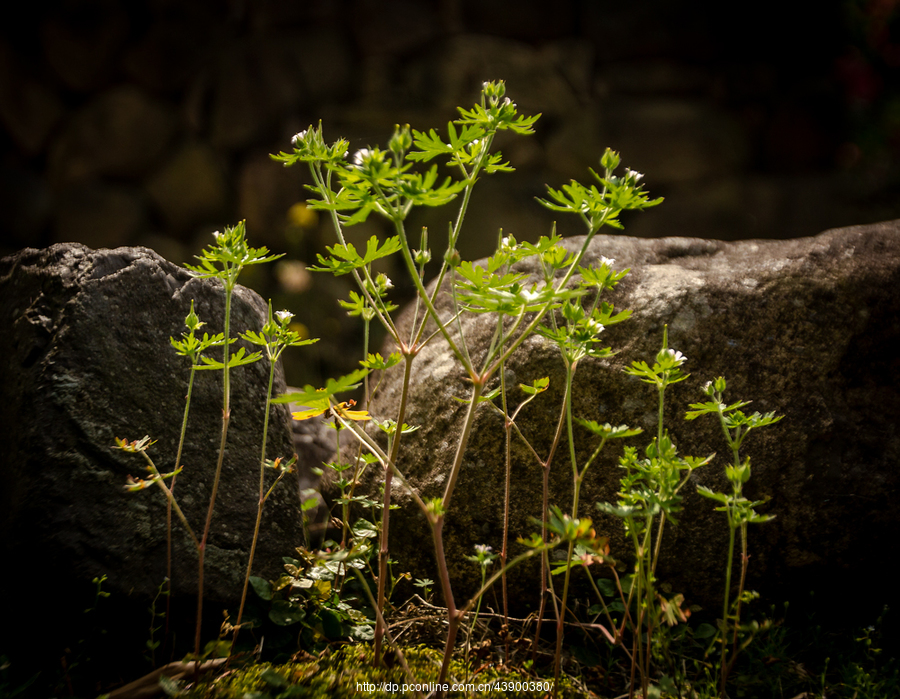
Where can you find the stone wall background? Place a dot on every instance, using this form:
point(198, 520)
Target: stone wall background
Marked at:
point(151, 122)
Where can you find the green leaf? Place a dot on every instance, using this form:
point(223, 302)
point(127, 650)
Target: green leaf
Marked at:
point(607, 431)
point(390, 427)
point(239, 358)
point(332, 387)
point(331, 624)
point(363, 529)
point(602, 277)
point(363, 632)
point(262, 588)
point(430, 146)
point(283, 613)
point(699, 409)
point(344, 257)
point(538, 386)
point(375, 362)
point(532, 541)
point(705, 631)
point(712, 495)
point(309, 504)
point(357, 306)
point(607, 587)
point(320, 572)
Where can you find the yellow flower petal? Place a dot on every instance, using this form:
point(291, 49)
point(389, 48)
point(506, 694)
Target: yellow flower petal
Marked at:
point(307, 414)
point(358, 415)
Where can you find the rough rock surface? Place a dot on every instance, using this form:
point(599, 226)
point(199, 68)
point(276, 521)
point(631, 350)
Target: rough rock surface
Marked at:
point(808, 328)
point(86, 358)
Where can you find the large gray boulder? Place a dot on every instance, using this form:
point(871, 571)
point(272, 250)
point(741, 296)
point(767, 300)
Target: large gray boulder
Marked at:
point(808, 328)
point(86, 358)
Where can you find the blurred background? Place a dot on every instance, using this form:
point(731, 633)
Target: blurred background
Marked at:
point(150, 122)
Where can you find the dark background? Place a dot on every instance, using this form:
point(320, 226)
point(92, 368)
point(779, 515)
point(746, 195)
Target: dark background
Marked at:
point(151, 122)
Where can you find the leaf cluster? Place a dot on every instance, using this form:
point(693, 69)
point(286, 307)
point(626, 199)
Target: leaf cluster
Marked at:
point(651, 484)
point(736, 425)
point(665, 371)
point(277, 335)
point(311, 596)
point(599, 206)
point(385, 181)
point(228, 255)
point(345, 258)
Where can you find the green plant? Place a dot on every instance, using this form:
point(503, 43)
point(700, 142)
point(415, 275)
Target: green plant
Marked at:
point(223, 261)
point(155, 618)
point(386, 182)
point(649, 497)
point(325, 597)
point(275, 337)
point(483, 558)
point(739, 510)
point(310, 605)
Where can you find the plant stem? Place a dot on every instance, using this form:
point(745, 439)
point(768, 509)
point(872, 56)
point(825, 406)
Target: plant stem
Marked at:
point(437, 526)
point(383, 549)
point(171, 499)
point(453, 616)
point(726, 604)
point(262, 500)
point(507, 486)
point(184, 422)
point(226, 418)
point(561, 616)
point(545, 508)
point(380, 620)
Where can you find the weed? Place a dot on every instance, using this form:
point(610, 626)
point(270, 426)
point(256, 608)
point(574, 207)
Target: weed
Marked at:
point(638, 629)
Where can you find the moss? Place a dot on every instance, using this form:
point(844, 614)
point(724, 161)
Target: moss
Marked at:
point(348, 672)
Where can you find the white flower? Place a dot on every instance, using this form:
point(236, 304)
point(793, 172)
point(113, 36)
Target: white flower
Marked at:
point(608, 261)
point(360, 157)
point(284, 316)
point(298, 138)
point(676, 356)
point(595, 327)
point(633, 174)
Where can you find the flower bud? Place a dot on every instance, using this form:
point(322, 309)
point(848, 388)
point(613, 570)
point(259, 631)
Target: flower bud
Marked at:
point(610, 160)
point(401, 141)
